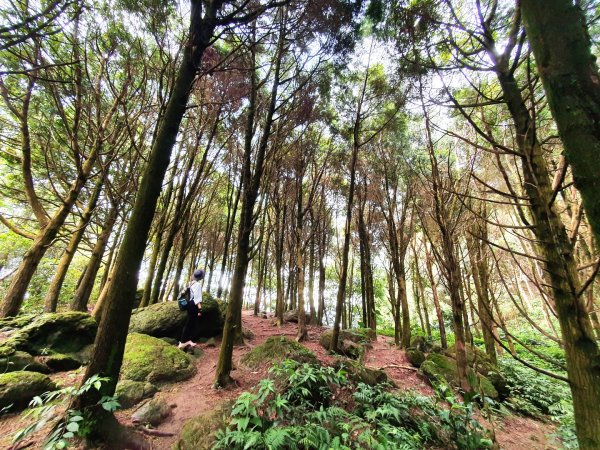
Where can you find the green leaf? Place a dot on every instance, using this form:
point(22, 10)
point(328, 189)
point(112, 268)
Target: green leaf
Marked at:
point(73, 427)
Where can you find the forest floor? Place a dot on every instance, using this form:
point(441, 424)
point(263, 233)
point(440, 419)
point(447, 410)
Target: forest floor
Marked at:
point(196, 396)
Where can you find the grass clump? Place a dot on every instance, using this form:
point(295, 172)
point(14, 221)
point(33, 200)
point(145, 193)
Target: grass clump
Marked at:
point(276, 349)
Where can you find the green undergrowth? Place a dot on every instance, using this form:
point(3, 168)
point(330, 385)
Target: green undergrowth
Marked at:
point(307, 406)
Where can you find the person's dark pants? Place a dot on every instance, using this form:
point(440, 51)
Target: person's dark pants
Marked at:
point(191, 323)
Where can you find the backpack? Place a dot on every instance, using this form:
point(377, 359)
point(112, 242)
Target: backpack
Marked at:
point(184, 299)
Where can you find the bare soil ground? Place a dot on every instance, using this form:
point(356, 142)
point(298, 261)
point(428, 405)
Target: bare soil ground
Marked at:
point(196, 395)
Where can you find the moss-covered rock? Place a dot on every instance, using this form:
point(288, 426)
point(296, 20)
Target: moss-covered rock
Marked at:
point(154, 412)
point(420, 343)
point(480, 362)
point(18, 388)
point(199, 433)
point(351, 343)
point(58, 341)
point(12, 323)
point(19, 360)
point(166, 320)
point(62, 333)
point(276, 349)
point(415, 356)
point(59, 362)
point(130, 393)
point(151, 359)
point(358, 373)
point(439, 367)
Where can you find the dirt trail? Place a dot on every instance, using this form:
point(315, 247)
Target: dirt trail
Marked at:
point(196, 396)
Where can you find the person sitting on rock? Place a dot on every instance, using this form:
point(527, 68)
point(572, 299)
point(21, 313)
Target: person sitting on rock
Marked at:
point(193, 310)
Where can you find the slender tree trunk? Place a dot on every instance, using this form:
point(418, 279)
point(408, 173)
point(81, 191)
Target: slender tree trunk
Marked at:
point(53, 293)
point(436, 301)
point(250, 185)
point(84, 290)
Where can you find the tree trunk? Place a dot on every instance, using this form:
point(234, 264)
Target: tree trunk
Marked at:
point(250, 186)
point(110, 339)
point(561, 44)
point(581, 349)
point(84, 290)
point(53, 293)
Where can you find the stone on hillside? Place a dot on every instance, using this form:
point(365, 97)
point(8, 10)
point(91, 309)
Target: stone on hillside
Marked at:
point(154, 412)
point(199, 433)
point(415, 356)
point(421, 344)
point(247, 333)
point(60, 362)
point(440, 367)
point(151, 359)
point(18, 388)
point(276, 349)
point(166, 320)
point(362, 374)
point(291, 316)
point(130, 393)
point(351, 343)
point(480, 362)
point(211, 342)
point(19, 360)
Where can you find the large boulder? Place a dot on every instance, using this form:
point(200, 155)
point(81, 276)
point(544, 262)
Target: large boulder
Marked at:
point(443, 368)
point(130, 393)
point(166, 320)
point(276, 349)
point(64, 338)
point(421, 343)
point(151, 359)
point(18, 388)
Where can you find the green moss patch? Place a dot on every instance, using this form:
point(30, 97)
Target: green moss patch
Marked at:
point(276, 349)
point(151, 359)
